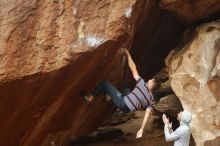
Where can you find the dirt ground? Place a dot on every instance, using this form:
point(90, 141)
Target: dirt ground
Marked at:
point(153, 136)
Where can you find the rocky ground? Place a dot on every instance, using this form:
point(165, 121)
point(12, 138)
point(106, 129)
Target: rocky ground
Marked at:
point(124, 134)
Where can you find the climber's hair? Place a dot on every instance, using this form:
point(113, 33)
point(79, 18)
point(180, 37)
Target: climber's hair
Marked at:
point(156, 84)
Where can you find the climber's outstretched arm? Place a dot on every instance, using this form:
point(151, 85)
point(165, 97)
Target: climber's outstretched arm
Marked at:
point(146, 117)
point(132, 66)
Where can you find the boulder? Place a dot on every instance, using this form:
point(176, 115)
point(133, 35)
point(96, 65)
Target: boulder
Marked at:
point(51, 50)
point(194, 73)
point(169, 105)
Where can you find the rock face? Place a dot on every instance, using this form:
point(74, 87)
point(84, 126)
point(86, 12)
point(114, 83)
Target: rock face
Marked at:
point(169, 105)
point(43, 36)
point(150, 42)
point(51, 50)
point(195, 73)
point(192, 11)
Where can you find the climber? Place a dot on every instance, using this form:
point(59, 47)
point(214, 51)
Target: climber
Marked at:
point(140, 98)
point(181, 135)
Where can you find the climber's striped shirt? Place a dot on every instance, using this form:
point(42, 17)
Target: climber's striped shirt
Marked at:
point(140, 97)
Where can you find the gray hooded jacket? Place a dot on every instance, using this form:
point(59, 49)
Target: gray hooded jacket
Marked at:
point(181, 135)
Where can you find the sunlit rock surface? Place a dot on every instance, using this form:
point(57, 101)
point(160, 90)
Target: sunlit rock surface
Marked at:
point(195, 78)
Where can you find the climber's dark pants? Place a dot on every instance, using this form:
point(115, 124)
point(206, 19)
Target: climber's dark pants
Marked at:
point(117, 97)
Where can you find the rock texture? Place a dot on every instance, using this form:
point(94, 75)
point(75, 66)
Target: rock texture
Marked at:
point(42, 36)
point(193, 10)
point(195, 73)
point(150, 42)
point(50, 50)
point(169, 105)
